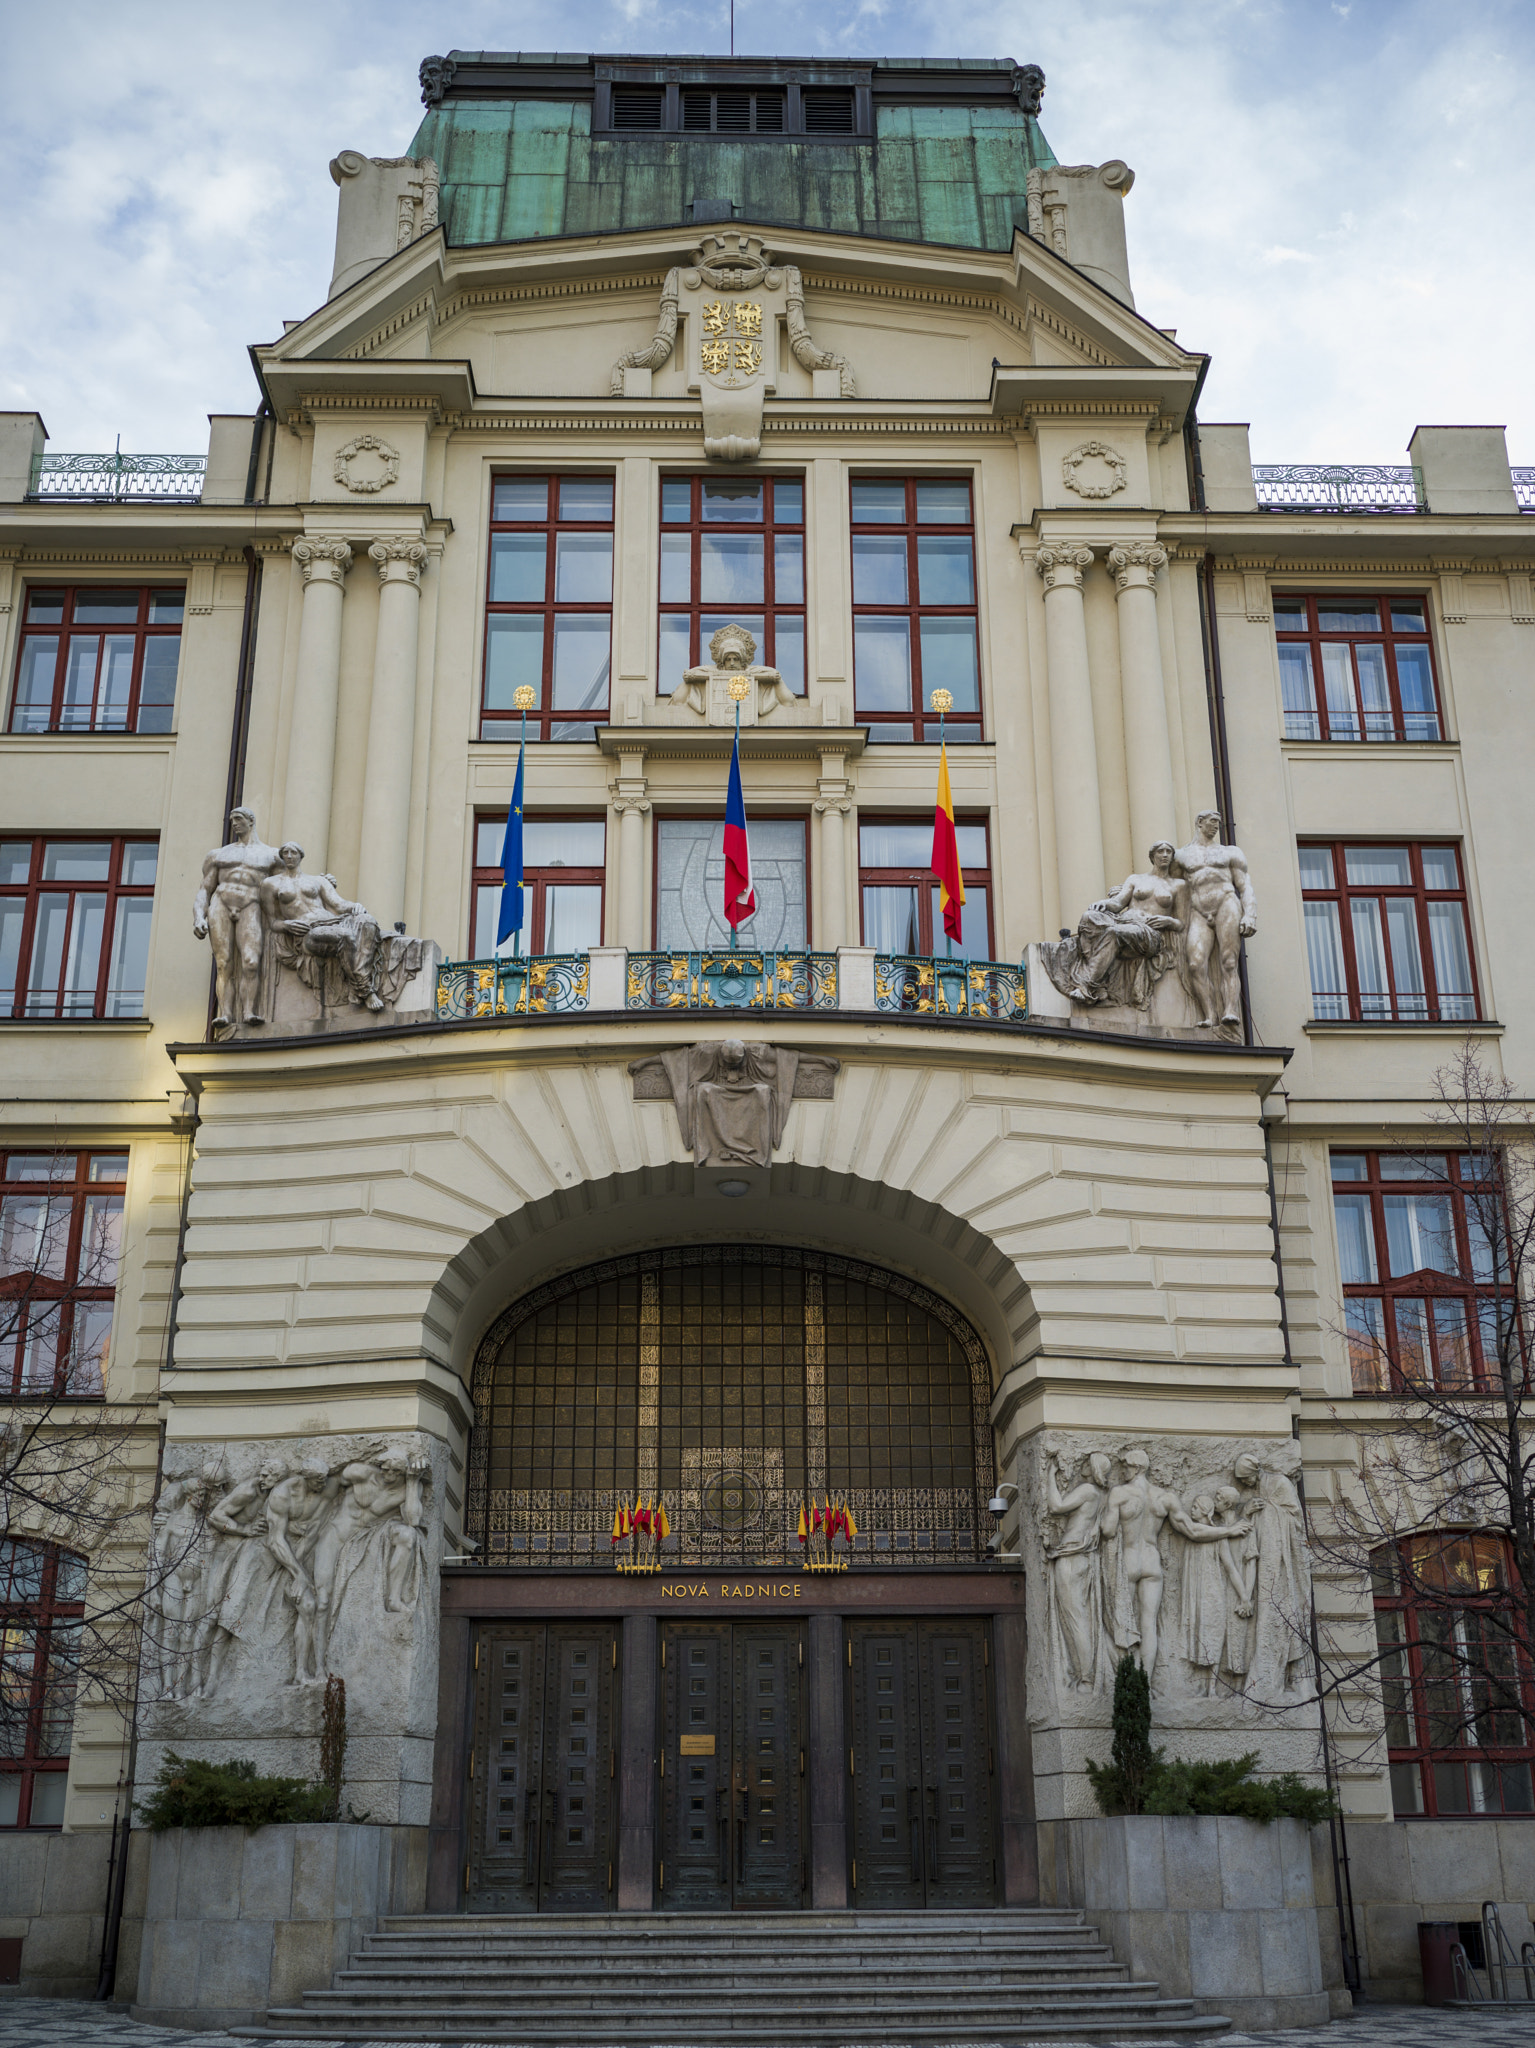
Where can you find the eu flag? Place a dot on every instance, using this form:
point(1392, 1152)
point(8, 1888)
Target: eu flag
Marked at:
point(511, 864)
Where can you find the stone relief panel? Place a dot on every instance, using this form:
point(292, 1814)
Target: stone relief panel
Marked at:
point(733, 1097)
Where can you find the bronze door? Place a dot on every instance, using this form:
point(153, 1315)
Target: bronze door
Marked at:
point(924, 1828)
point(544, 1758)
point(732, 1764)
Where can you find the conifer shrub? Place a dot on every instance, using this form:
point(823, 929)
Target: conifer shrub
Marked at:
point(189, 1793)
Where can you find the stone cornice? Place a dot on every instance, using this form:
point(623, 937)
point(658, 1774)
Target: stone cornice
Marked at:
point(842, 417)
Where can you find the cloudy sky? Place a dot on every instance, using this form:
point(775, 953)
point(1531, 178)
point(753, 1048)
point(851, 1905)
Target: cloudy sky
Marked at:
point(1329, 196)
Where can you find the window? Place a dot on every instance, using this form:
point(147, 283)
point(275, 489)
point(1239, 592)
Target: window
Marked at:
point(95, 660)
point(74, 926)
point(563, 862)
point(735, 111)
point(61, 1217)
point(1455, 1679)
point(732, 552)
point(690, 886)
point(1356, 668)
point(914, 615)
point(42, 1603)
point(899, 891)
point(1422, 1298)
point(1387, 936)
point(549, 603)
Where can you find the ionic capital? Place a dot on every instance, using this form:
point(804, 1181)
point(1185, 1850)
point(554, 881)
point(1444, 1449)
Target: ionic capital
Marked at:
point(621, 804)
point(1134, 563)
point(323, 559)
point(1062, 565)
point(399, 561)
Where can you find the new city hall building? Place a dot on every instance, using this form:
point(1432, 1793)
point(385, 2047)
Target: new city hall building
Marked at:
point(487, 1321)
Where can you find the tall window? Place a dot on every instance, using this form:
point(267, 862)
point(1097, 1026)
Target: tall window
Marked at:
point(94, 660)
point(549, 605)
point(42, 1603)
point(61, 1218)
point(563, 863)
point(1387, 935)
point(690, 886)
point(899, 894)
point(914, 614)
point(1455, 1679)
point(74, 926)
point(1356, 668)
point(1421, 1301)
point(732, 551)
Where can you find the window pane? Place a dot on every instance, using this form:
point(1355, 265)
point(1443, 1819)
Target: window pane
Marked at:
point(48, 1790)
point(735, 501)
point(586, 497)
point(80, 681)
point(1420, 715)
point(789, 568)
point(90, 1348)
point(15, 860)
point(140, 859)
point(895, 845)
point(1412, 1358)
point(41, 1166)
point(1347, 615)
point(730, 568)
point(84, 960)
point(1369, 956)
point(789, 650)
point(974, 942)
point(1365, 1330)
point(116, 682)
point(1289, 615)
point(12, 915)
point(788, 502)
point(572, 917)
point(971, 842)
point(676, 568)
point(106, 607)
point(1315, 867)
point(945, 573)
point(48, 935)
point(890, 735)
point(130, 958)
point(34, 1234)
point(1356, 1240)
point(1406, 1788)
point(561, 842)
point(1407, 615)
point(675, 653)
point(514, 655)
point(1298, 691)
point(1338, 683)
point(1378, 866)
point(676, 499)
point(520, 498)
point(488, 835)
point(891, 919)
point(518, 567)
point(1441, 870)
point(881, 502)
point(1420, 1235)
point(72, 860)
point(583, 568)
point(1324, 951)
point(690, 884)
point(166, 607)
point(1452, 960)
point(943, 505)
point(710, 622)
point(948, 661)
point(1349, 1166)
point(1452, 1342)
point(1371, 663)
point(10, 1798)
point(1406, 957)
point(487, 914)
point(157, 684)
point(108, 1166)
point(46, 607)
point(882, 664)
point(40, 1345)
point(879, 568)
point(1413, 1166)
point(581, 662)
point(34, 685)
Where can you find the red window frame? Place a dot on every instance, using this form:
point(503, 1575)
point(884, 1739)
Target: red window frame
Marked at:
point(917, 719)
point(155, 717)
point(536, 881)
point(1428, 1326)
point(71, 1001)
point(1363, 722)
point(1436, 1707)
point(65, 1274)
point(926, 882)
point(42, 1604)
point(783, 514)
point(503, 721)
point(1391, 1005)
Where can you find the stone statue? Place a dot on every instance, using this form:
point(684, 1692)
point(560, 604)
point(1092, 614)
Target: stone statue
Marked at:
point(178, 1560)
point(1132, 1562)
point(706, 689)
point(313, 924)
point(732, 1097)
point(1075, 1578)
point(243, 1575)
point(357, 1553)
point(227, 912)
point(1281, 1599)
point(1239, 1556)
point(1126, 942)
point(1211, 1576)
point(1222, 912)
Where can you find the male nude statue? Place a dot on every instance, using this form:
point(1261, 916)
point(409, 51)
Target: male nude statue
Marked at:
point(1133, 1520)
point(1222, 912)
point(227, 912)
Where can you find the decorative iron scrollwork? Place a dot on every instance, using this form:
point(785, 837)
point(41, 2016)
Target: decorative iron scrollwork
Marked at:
point(732, 981)
point(920, 984)
point(533, 983)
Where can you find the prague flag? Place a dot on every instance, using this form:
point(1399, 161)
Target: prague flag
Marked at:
point(945, 861)
point(740, 896)
point(804, 1526)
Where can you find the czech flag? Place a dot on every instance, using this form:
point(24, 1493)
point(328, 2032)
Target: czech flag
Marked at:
point(740, 896)
point(945, 861)
point(510, 919)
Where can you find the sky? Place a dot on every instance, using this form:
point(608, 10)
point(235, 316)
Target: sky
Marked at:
point(1330, 196)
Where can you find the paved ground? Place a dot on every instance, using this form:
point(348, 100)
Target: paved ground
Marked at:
point(53, 2023)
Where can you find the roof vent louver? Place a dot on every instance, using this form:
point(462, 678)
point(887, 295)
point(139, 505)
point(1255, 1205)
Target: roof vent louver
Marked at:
point(637, 106)
point(828, 113)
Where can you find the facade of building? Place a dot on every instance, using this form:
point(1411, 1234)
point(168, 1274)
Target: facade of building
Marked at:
point(430, 1266)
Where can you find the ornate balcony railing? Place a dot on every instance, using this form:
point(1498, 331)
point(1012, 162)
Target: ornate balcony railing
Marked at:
point(119, 478)
point(1524, 488)
point(534, 983)
point(1338, 487)
point(919, 984)
point(732, 981)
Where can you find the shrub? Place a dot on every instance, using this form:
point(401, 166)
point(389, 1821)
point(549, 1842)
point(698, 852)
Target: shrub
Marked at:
point(189, 1793)
point(1120, 1785)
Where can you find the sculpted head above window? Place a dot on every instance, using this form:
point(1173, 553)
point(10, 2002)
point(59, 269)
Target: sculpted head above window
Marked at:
point(733, 647)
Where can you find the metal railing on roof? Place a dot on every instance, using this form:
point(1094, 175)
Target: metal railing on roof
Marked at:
point(1338, 487)
point(117, 479)
point(1524, 489)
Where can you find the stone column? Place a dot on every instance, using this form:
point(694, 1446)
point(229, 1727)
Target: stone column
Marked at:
point(312, 734)
point(1073, 744)
point(630, 804)
point(833, 804)
point(1148, 751)
point(391, 729)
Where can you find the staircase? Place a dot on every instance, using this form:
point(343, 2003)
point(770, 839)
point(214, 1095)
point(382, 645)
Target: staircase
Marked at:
point(827, 1980)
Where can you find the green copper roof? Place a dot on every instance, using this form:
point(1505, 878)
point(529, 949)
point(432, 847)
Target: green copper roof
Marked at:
point(518, 169)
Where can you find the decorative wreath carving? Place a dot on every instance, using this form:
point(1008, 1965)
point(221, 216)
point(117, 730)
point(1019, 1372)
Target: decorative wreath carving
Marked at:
point(1091, 451)
point(367, 444)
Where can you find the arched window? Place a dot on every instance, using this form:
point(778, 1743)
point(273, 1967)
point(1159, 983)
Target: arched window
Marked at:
point(1455, 1677)
point(735, 1383)
point(42, 1601)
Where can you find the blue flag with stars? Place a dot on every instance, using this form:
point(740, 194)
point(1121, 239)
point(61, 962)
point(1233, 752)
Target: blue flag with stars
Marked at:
point(511, 864)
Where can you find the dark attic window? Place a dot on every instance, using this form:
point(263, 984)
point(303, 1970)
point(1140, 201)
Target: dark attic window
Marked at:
point(735, 111)
point(638, 106)
point(828, 113)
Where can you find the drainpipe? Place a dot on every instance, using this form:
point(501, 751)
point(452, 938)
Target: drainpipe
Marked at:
point(239, 733)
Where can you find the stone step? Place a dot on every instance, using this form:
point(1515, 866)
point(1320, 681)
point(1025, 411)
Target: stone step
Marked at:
point(789, 2011)
point(1169, 2021)
point(892, 1976)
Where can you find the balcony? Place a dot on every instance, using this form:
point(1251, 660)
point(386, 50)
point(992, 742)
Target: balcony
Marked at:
point(854, 978)
point(118, 479)
point(1338, 487)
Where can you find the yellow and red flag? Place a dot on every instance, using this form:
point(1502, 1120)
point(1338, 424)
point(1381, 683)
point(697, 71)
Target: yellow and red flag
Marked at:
point(945, 860)
point(804, 1526)
point(618, 1525)
point(849, 1524)
point(661, 1526)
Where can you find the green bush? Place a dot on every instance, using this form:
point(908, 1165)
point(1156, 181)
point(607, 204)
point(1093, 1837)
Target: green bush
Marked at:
point(191, 1794)
point(1139, 1779)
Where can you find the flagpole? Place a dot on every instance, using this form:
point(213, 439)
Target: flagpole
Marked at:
point(940, 701)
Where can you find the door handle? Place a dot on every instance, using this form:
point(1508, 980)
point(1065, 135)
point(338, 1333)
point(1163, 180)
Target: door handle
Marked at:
point(551, 1810)
point(914, 1825)
point(935, 1875)
point(722, 1827)
point(745, 1798)
point(530, 1833)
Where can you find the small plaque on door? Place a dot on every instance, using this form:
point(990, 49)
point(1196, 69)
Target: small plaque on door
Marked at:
point(695, 1745)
